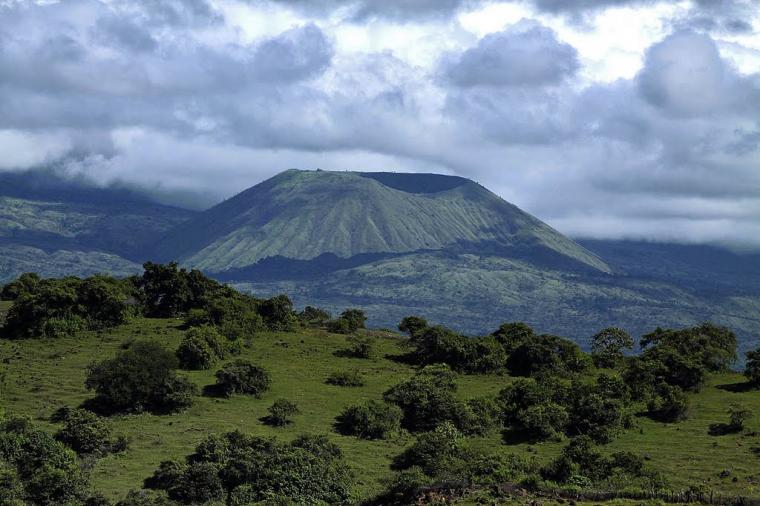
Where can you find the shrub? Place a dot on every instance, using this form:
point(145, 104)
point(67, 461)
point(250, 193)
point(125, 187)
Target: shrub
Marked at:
point(349, 321)
point(360, 347)
point(404, 487)
point(143, 498)
point(280, 412)
point(277, 313)
point(243, 469)
point(512, 335)
point(242, 377)
point(25, 284)
point(546, 355)
point(752, 368)
point(413, 326)
point(195, 354)
point(169, 472)
point(346, 379)
point(530, 409)
point(371, 420)
point(433, 451)
point(201, 347)
point(670, 404)
point(737, 416)
point(472, 355)
point(139, 378)
point(427, 399)
point(314, 316)
point(86, 432)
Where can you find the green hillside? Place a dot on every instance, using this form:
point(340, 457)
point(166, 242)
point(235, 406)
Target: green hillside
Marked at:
point(304, 214)
point(43, 375)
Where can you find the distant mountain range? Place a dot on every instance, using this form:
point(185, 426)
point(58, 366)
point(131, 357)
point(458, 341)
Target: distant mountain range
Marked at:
point(395, 244)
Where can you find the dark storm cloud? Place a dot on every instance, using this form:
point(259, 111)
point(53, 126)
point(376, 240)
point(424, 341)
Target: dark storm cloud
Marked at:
point(524, 55)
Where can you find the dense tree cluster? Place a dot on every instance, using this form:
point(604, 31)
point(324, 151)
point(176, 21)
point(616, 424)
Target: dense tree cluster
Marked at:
point(513, 348)
point(35, 468)
point(142, 377)
point(203, 346)
point(242, 469)
point(60, 307)
point(349, 321)
point(674, 362)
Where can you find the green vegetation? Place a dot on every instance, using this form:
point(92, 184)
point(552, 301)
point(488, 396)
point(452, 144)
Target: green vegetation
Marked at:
point(424, 416)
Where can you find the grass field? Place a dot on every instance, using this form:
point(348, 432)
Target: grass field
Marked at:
point(43, 375)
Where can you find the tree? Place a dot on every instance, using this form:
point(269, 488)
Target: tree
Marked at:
point(712, 346)
point(242, 377)
point(277, 312)
point(26, 283)
point(607, 346)
point(513, 334)
point(280, 413)
point(314, 316)
point(752, 368)
point(413, 325)
point(669, 404)
point(371, 420)
point(85, 432)
point(349, 321)
point(166, 290)
point(140, 378)
point(433, 451)
point(546, 354)
point(201, 347)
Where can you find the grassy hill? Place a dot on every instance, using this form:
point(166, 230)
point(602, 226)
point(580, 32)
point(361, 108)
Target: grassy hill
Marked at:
point(43, 375)
point(301, 215)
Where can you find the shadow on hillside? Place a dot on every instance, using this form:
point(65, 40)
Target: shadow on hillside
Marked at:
point(403, 358)
point(516, 437)
point(755, 450)
point(745, 386)
point(214, 390)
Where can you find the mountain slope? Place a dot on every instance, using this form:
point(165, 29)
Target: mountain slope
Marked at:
point(302, 215)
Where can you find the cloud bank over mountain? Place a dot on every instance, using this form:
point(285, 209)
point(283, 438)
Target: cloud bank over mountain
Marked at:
point(606, 118)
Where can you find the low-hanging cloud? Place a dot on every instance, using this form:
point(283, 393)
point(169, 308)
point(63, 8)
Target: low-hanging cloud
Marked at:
point(169, 96)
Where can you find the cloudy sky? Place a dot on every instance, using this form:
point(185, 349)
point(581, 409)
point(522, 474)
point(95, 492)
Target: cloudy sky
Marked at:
point(606, 118)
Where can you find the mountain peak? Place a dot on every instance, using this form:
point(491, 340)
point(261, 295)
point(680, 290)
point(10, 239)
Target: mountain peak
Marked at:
point(301, 215)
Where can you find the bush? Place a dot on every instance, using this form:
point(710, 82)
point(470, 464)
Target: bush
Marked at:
point(670, 404)
point(404, 487)
point(349, 321)
point(433, 451)
point(201, 347)
point(530, 410)
point(280, 413)
point(346, 379)
point(242, 469)
point(277, 313)
point(737, 416)
point(752, 368)
point(25, 284)
point(143, 498)
point(359, 347)
point(169, 472)
point(314, 316)
point(413, 326)
point(371, 420)
point(546, 355)
point(427, 399)
point(86, 432)
point(242, 377)
point(140, 378)
point(435, 345)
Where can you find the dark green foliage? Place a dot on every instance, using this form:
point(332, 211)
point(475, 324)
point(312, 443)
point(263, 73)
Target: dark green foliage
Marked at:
point(59, 307)
point(170, 291)
point(277, 313)
point(752, 368)
point(530, 409)
point(201, 347)
point(581, 463)
point(428, 399)
point(370, 420)
point(434, 451)
point(511, 335)
point(245, 469)
point(314, 316)
point(349, 321)
point(36, 466)
point(86, 432)
point(25, 284)
point(168, 473)
point(199, 483)
point(404, 487)
point(668, 404)
point(11, 487)
point(235, 314)
point(436, 345)
point(140, 378)
point(486, 415)
point(242, 377)
point(593, 414)
point(712, 346)
point(607, 346)
point(413, 326)
point(546, 355)
point(346, 379)
point(280, 413)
